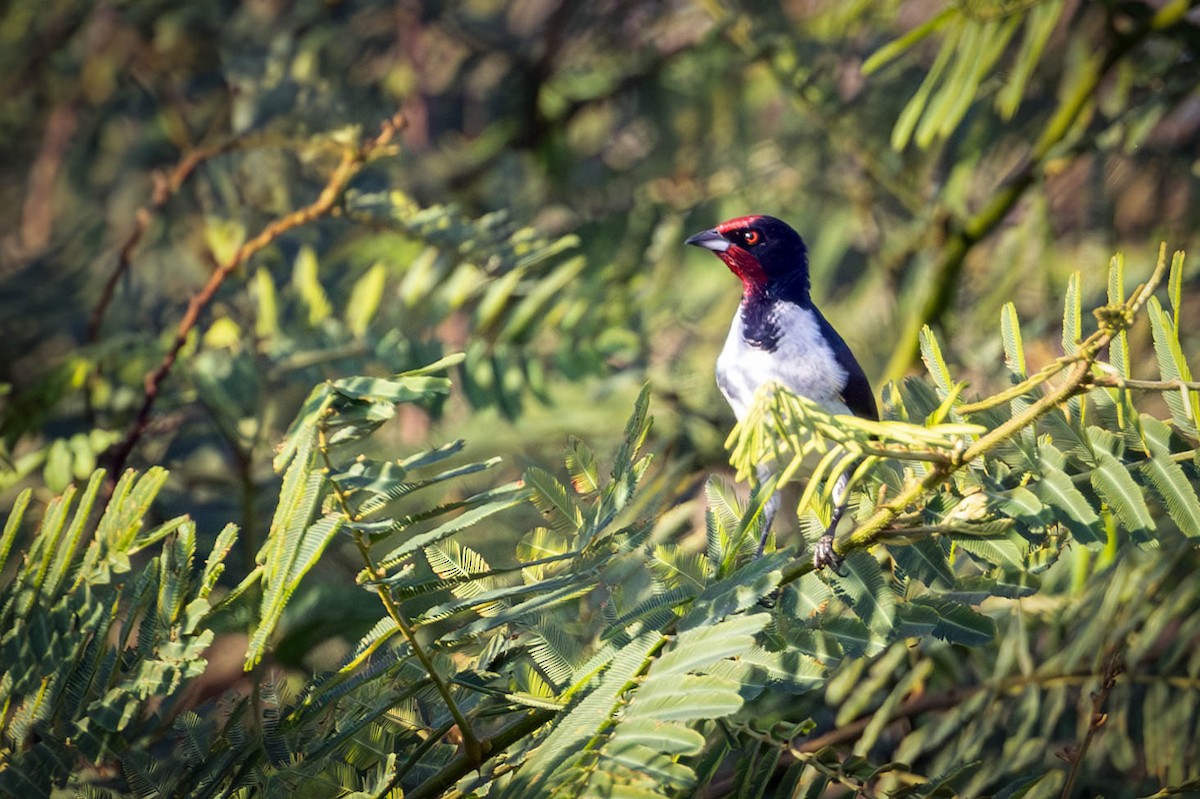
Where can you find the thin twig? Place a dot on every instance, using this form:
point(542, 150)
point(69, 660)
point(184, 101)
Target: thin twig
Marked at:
point(166, 185)
point(931, 703)
point(920, 704)
point(352, 160)
point(797, 749)
point(1111, 669)
point(1020, 389)
point(1116, 381)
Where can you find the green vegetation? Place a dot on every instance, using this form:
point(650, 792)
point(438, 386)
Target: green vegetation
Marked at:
point(358, 434)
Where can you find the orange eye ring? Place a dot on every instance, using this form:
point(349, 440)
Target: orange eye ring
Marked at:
point(752, 237)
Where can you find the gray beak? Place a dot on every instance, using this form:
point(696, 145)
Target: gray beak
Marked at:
point(709, 240)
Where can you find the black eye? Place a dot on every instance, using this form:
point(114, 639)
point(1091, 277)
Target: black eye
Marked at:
point(751, 237)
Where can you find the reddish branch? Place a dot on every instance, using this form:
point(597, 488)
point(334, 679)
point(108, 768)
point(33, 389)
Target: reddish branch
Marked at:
point(1111, 669)
point(165, 187)
point(352, 160)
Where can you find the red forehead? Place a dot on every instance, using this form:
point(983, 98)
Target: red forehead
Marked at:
point(739, 223)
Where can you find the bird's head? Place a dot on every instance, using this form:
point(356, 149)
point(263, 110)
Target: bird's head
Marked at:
point(764, 252)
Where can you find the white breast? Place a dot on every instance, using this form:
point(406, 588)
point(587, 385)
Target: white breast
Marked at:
point(802, 362)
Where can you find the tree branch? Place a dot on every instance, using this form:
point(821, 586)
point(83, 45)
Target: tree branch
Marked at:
point(166, 185)
point(352, 160)
point(875, 528)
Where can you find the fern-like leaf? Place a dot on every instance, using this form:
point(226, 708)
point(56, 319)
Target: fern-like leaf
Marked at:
point(1167, 478)
point(863, 587)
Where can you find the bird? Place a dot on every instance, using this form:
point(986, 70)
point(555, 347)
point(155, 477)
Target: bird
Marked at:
point(779, 335)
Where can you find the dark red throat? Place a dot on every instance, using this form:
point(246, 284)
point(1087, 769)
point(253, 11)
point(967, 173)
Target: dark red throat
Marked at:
point(739, 260)
point(746, 267)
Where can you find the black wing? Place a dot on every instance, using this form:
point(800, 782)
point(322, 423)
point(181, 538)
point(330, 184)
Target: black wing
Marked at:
point(857, 394)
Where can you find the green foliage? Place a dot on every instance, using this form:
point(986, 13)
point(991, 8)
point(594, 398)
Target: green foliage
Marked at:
point(595, 658)
point(98, 653)
point(974, 38)
point(216, 206)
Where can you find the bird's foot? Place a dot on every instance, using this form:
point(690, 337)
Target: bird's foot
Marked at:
point(823, 554)
point(770, 600)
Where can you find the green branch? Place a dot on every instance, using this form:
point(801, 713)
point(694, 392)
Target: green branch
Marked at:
point(1116, 381)
point(1078, 379)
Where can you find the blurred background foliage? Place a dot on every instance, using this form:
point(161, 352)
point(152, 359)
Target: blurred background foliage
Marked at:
point(940, 158)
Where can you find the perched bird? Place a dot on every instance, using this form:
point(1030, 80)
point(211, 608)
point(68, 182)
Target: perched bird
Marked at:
point(779, 335)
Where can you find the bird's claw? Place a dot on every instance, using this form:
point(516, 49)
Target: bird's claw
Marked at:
point(770, 600)
point(823, 555)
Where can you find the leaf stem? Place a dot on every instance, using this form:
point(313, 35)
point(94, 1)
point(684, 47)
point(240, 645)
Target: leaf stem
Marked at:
point(931, 703)
point(1116, 381)
point(472, 747)
point(460, 765)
